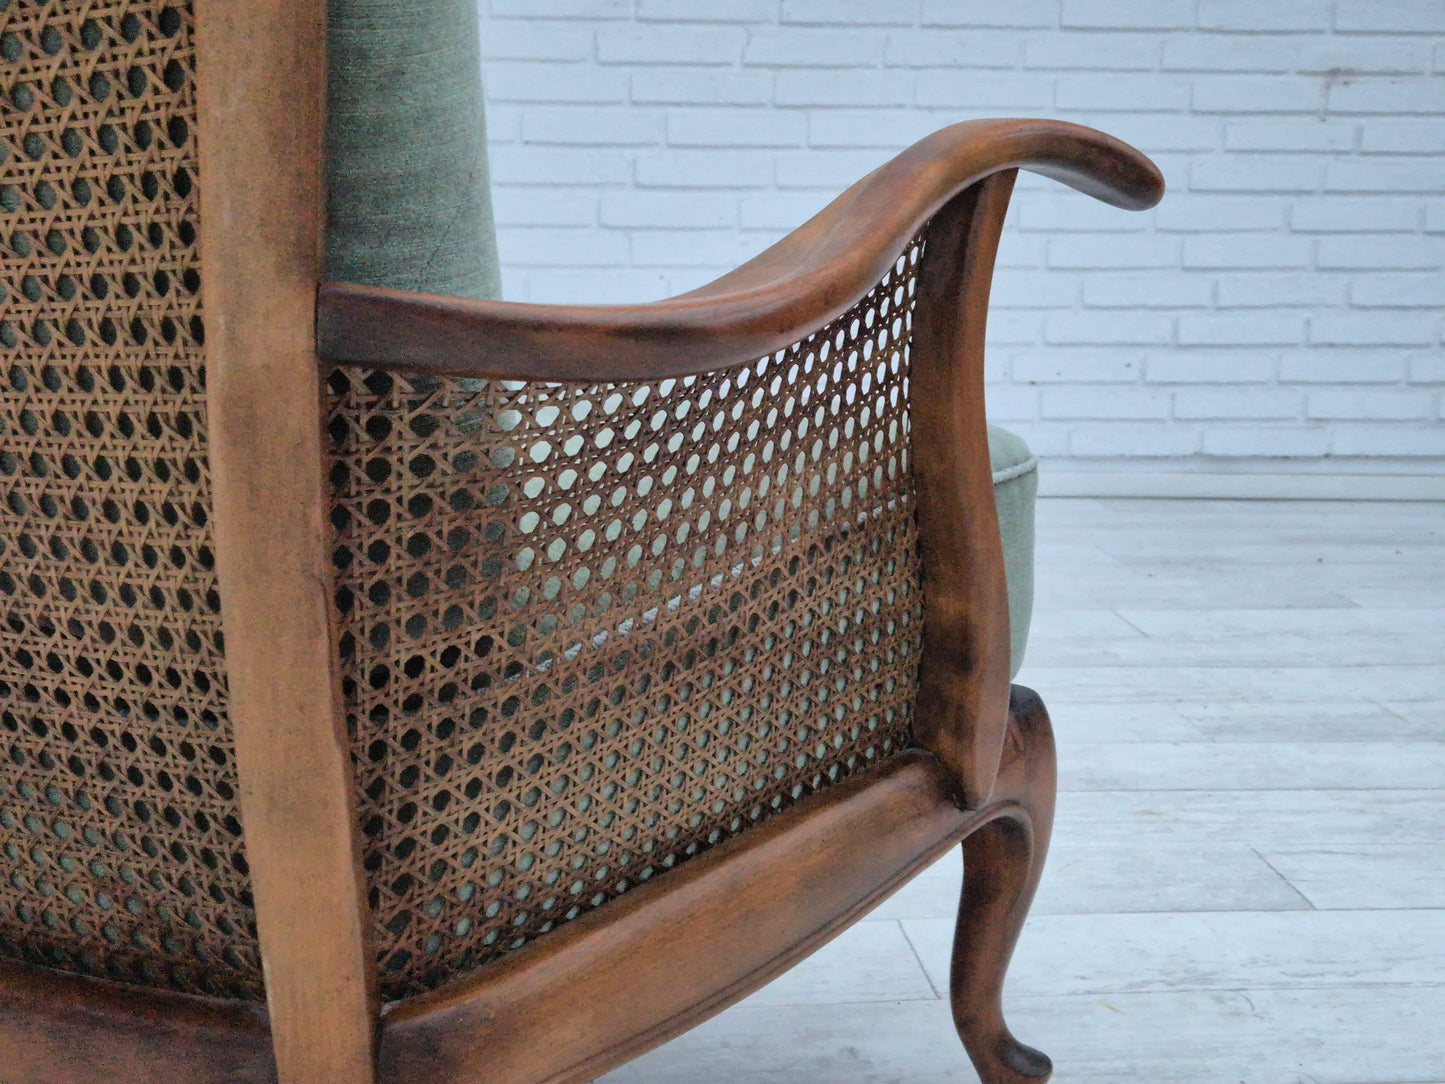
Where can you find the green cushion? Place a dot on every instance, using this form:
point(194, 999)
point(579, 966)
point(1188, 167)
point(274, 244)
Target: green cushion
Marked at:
point(408, 199)
point(1015, 485)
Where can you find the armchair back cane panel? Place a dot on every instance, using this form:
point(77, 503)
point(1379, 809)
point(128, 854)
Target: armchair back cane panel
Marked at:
point(119, 827)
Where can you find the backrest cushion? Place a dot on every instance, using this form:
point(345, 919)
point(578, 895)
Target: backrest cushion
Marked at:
point(408, 196)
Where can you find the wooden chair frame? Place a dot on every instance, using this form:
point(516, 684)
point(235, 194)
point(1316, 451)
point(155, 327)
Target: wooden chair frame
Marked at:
point(679, 948)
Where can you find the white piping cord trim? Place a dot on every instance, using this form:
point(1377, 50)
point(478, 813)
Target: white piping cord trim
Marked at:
point(1018, 470)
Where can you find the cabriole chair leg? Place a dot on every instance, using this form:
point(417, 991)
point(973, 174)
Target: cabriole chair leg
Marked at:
point(1002, 864)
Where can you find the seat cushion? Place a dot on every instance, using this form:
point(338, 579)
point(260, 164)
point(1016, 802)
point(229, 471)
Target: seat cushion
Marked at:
point(408, 204)
point(1015, 486)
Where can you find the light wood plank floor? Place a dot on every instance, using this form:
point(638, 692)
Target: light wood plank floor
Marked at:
point(1248, 872)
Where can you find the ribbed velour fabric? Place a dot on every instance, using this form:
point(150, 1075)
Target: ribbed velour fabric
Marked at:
point(408, 201)
point(1015, 486)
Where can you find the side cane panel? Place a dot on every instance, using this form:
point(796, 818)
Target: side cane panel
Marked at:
point(591, 630)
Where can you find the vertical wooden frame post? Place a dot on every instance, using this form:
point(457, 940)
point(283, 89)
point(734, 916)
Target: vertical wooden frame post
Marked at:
point(962, 709)
point(261, 82)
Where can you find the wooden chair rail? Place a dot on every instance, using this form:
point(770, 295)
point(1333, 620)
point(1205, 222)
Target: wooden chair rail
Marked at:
point(680, 948)
point(261, 85)
point(67, 1029)
point(786, 292)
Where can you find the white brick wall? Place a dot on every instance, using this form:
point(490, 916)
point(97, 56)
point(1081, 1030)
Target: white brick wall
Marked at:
point(1284, 301)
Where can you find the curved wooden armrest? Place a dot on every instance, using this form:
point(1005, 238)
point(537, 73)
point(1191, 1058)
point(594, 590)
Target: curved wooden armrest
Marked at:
point(788, 291)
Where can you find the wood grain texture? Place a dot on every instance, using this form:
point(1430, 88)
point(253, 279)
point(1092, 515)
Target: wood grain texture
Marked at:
point(964, 675)
point(791, 289)
point(1003, 861)
point(683, 946)
point(261, 70)
point(65, 1029)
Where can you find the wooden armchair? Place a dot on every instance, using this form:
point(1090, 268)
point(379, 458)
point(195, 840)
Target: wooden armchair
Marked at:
point(582, 668)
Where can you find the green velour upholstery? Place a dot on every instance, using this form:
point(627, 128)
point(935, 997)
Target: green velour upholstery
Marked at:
point(1015, 485)
point(408, 199)
point(409, 203)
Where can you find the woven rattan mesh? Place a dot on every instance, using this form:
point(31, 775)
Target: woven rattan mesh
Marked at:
point(591, 630)
point(118, 819)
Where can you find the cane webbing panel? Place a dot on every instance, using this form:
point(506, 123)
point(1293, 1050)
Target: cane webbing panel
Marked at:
point(591, 630)
point(122, 852)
